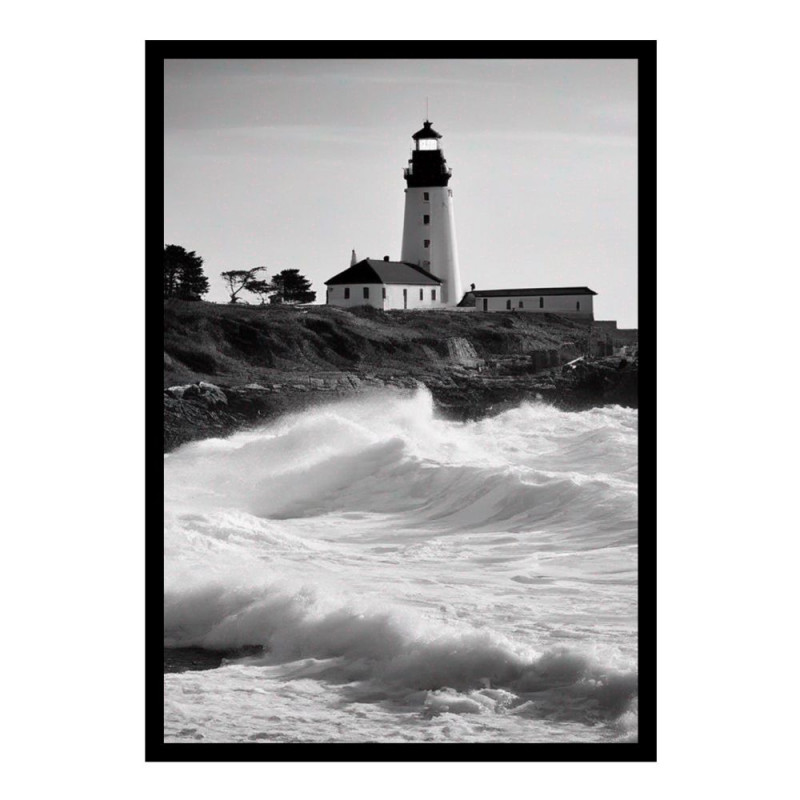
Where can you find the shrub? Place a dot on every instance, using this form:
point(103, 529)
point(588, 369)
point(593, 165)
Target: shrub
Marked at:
point(367, 311)
point(196, 360)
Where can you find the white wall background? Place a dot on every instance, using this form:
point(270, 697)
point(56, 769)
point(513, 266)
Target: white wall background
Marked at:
point(727, 602)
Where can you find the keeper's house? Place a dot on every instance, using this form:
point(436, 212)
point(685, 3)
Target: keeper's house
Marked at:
point(386, 285)
point(569, 301)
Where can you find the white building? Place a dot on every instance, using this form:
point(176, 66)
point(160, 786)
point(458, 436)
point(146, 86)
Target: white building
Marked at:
point(568, 301)
point(385, 285)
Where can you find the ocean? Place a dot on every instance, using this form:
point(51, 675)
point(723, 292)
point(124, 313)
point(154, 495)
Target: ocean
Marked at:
point(369, 571)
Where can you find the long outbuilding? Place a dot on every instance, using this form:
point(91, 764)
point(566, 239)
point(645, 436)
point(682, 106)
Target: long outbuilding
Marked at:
point(569, 301)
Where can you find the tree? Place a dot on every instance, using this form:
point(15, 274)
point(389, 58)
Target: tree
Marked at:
point(183, 273)
point(291, 287)
point(238, 279)
point(262, 289)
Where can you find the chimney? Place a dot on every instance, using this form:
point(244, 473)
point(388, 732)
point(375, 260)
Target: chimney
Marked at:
point(353, 258)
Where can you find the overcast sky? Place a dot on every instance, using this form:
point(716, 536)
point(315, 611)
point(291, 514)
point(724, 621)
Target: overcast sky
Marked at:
point(293, 163)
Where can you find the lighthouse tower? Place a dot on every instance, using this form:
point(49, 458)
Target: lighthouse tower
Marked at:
point(429, 231)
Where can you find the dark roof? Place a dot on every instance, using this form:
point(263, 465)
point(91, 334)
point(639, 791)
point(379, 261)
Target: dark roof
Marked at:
point(527, 292)
point(371, 270)
point(426, 132)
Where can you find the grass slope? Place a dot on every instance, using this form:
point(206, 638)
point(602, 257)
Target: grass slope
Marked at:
point(233, 345)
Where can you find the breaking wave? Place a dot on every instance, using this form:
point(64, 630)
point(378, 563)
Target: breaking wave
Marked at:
point(391, 656)
point(413, 562)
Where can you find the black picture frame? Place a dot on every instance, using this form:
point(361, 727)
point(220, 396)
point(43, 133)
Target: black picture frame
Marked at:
point(644, 52)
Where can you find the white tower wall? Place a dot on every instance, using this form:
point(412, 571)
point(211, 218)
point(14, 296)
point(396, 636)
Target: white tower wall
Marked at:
point(441, 256)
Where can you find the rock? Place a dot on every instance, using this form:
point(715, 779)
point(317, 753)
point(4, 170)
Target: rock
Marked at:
point(207, 392)
point(201, 410)
point(461, 351)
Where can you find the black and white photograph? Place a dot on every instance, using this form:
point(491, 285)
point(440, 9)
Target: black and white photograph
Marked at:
point(390, 409)
point(399, 415)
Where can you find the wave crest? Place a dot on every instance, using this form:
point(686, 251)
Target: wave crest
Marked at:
point(396, 457)
point(384, 655)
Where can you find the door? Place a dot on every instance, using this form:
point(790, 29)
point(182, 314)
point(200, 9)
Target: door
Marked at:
point(405, 298)
point(485, 304)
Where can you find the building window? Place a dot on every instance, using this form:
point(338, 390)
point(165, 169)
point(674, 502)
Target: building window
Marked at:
point(578, 306)
point(426, 219)
point(366, 292)
point(384, 292)
point(433, 294)
point(346, 292)
point(426, 197)
point(508, 305)
point(421, 297)
point(427, 243)
point(521, 304)
point(541, 302)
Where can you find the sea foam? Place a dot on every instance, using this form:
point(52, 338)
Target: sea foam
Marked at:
point(427, 566)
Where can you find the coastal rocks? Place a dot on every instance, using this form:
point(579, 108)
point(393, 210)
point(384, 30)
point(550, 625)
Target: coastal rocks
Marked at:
point(462, 352)
point(203, 410)
point(195, 412)
point(174, 392)
point(531, 362)
point(207, 392)
point(584, 383)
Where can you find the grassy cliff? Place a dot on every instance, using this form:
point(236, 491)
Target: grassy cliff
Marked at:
point(233, 345)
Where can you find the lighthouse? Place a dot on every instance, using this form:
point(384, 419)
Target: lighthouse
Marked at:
point(429, 232)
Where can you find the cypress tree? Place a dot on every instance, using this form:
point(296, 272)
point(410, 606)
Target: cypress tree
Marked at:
point(183, 274)
point(292, 287)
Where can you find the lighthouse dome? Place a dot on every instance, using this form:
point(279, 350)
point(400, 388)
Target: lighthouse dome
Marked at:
point(426, 132)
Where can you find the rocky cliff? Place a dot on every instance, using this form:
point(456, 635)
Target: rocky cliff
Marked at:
point(227, 367)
